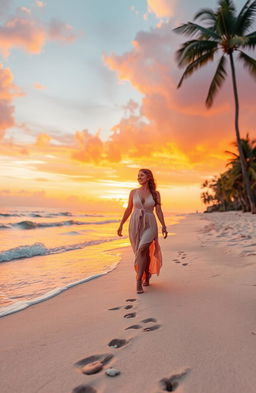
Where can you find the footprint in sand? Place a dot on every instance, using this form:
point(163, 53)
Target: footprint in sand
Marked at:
point(171, 384)
point(151, 328)
point(130, 315)
point(149, 320)
point(128, 307)
point(133, 327)
point(184, 264)
point(114, 308)
point(93, 364)
point(131, 300)
point(84, 389)
point(117, 343)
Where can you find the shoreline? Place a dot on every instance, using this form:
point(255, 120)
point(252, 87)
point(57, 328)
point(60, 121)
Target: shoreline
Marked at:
point(20, 306)
point(200, 334)
point(115, 249)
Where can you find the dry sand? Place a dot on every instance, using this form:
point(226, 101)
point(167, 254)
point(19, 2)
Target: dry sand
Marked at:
point(203, 307)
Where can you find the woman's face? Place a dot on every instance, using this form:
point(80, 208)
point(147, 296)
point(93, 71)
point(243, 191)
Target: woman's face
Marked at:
point(142, 178)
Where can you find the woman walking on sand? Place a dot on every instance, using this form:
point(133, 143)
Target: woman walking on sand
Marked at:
point(143, 232)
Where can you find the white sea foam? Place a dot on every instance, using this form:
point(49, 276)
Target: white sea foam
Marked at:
point(23, 252)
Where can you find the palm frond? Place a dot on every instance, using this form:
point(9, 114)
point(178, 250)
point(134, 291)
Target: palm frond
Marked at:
point(193, 29)
point(193, 49)
point(217, 81)
point(249, 63)
point(226, 18)
point(227, 4)
point(199, 62)
point(233, 154)
point(251, 41)
point(245, 18)
point(207, 15)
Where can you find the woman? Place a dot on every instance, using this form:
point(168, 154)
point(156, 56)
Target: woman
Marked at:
point(143, 232)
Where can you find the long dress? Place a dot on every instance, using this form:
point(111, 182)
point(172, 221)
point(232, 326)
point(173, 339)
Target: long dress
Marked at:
point(143, 231)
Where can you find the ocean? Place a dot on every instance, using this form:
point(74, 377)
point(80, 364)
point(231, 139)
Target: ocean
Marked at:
point(46, 251)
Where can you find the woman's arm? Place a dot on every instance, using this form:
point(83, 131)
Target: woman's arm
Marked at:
point(127, 213)
point(160, 215)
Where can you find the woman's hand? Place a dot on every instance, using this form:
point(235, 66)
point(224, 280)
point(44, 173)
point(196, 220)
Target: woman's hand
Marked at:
point(164, 232)
point(119, 231)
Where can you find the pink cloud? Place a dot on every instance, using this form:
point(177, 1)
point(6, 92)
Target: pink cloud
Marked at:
point(21, 32)
point(26, 10)
point(6, 116)
point(131, 107)
point(60, 31)
point(8, 90)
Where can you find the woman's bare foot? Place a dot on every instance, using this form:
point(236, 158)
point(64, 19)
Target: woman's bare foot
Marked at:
point(146, 281)
point(139, 287)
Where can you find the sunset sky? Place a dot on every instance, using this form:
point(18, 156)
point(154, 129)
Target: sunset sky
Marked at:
point(88, 96)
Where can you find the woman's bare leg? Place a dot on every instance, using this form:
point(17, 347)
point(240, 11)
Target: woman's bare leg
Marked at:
point(148, 275)
point(142, 260)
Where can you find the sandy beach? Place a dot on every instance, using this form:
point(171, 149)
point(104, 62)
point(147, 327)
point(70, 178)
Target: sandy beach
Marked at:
point(195, 325)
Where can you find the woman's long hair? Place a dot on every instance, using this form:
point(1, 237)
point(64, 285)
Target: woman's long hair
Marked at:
point(151, 184)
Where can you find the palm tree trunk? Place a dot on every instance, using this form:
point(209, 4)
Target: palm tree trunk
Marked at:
point(239, 145)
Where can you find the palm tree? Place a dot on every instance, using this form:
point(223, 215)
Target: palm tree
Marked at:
point(228, 32)
point(249, 151)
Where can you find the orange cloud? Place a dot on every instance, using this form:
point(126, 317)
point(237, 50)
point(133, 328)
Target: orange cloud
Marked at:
point(168, 116)
point(162, 8)
point(40, 4)
point(43, 140)
point(38, 86)
point(90, 147)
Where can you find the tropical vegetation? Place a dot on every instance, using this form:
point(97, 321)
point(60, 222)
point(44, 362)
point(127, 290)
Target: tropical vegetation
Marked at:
point(227, 191)
point(230, 33)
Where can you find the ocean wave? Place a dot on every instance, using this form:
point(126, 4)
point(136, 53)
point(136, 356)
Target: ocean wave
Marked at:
point(43, 214)
point(35, 214)
point(39, 249)
point(33, 225)
point(10, 215)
